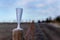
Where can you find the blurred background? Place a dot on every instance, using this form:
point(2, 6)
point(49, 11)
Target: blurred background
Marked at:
point(40, 18)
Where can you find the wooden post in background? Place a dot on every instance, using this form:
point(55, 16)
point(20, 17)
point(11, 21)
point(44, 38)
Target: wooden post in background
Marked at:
point(17, 34)
point(30, 32)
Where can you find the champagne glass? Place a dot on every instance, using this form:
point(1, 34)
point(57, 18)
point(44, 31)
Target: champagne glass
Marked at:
point(19, 16)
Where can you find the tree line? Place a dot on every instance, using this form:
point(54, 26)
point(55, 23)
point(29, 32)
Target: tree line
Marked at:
point(56, 19)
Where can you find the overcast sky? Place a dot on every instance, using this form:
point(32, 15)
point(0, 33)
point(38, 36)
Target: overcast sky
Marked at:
point(32, 9)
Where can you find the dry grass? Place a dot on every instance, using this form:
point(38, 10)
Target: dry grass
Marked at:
point(6, 30)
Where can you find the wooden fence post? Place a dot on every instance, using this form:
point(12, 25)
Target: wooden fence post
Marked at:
point(30, 32)
point(17, 34)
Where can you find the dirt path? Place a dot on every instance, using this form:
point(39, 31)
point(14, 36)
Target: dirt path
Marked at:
point(50, 32)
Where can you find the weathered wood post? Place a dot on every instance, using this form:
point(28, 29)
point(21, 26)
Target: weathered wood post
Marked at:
point(17, 33)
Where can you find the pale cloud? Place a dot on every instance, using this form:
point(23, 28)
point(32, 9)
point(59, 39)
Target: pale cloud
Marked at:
point(40, 5)
point(22, 3)
point(59, 6)
point(50, 1)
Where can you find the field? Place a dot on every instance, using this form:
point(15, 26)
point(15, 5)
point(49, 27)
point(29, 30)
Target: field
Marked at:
point(6, 30)
point(48, 31)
